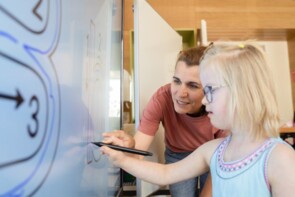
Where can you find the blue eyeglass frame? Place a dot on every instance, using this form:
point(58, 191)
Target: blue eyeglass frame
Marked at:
point(209, 90)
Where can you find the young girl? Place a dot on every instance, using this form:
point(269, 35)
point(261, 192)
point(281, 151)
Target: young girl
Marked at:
point(239, 97)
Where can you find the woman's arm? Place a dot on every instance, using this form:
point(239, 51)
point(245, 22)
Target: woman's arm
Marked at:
point(142, 141)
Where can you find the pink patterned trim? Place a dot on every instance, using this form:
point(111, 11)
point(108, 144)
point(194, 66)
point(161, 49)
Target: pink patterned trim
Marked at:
point(240, 164)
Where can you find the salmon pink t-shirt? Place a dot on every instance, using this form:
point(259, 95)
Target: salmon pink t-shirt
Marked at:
point(183, 133)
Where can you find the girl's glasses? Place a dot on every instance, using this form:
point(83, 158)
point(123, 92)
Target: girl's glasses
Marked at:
point(209, 90)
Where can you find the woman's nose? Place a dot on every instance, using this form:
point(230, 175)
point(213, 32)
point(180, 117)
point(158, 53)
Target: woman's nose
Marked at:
point(204, 100)
point(183, 91)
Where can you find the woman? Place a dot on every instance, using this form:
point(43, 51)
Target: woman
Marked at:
point(178, 107)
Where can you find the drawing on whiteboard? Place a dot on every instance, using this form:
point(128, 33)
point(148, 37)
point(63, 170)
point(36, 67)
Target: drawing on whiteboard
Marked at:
point(29, 94)
point(95, 77)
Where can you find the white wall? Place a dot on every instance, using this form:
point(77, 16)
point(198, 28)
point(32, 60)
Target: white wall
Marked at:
point(277, 54)
point(156, 47)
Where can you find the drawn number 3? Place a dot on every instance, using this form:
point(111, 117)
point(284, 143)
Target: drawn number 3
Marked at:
point(31, 132)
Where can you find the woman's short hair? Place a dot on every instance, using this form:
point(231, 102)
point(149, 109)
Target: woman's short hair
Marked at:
point(191, 56)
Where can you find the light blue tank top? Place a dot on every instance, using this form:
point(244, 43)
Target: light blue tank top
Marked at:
point(242, 178)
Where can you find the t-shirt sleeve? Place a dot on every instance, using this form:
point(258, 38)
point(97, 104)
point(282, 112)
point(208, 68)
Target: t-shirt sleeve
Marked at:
point(151, 116)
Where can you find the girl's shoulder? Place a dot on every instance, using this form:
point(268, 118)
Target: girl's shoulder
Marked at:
point(281, 165)
point(213, 144)
point(210, 147)
point(282, 153)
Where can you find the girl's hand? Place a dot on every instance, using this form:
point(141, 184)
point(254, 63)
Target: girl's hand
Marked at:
point(116, 157)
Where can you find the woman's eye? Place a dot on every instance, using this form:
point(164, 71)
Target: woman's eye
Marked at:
point(176, 81)
point(193, 86)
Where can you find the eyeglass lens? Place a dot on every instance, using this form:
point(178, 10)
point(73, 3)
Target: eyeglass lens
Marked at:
point(208, 93)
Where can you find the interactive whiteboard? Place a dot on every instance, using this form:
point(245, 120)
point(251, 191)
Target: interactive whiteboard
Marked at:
point(60, 88)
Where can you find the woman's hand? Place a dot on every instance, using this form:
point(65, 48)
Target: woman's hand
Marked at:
point(119, 137)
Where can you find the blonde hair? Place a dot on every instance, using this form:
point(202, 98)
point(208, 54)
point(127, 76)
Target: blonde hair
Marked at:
point(245, 72)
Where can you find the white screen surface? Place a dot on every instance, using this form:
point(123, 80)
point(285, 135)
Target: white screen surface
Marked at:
point(60, 77)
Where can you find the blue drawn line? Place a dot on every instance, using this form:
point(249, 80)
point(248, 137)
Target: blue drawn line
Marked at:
point(29, 50)
point(12, 193)
point(10, 37)
point(50, 89)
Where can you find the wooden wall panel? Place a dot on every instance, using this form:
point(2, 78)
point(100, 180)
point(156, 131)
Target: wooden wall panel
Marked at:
point(128, 26)
point(229, 14)
point(226, 20)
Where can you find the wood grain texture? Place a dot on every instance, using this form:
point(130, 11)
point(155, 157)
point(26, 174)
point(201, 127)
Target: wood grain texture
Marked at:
point(262, 20)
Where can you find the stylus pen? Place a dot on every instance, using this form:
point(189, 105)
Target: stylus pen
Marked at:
point(124, 149)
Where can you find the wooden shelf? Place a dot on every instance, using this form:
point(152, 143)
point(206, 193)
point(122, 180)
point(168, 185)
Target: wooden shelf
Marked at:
point(287, 130)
